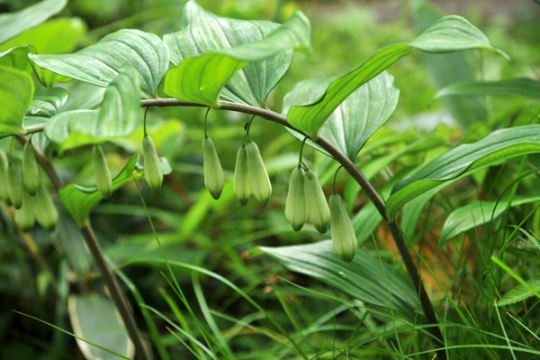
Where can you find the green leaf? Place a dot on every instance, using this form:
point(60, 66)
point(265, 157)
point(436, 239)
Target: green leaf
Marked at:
point(310, 117)
point(17, 58)
point(520, 293)
point(100, 63)
point(462, 160)
point(452, 33)
point(53, 37)
point(514, 87)
point(70, 129)
point(211, 50)
point(358, 117)
point(365, 278)
point(120, 110)
point(118, 117)
point(16, 91)
point(448, 68)
point(17, 22)
point(79, 200)
point(477, 213)
point(47, 102)
point(95, 318)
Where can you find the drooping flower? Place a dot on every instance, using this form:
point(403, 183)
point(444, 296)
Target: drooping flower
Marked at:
point(343, 234)
point(241, 178)
point(30, 168)
point(152, 167)
point(4, 195)
point(317, 207)
point(214, 179)
point(45, 211)
point(295, 206)
point(102, 173)
point(14, 186)
point(24, 216)
point(259, 182)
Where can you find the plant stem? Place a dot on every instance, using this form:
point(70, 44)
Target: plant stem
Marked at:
point(116, 293)
point(370, 191)
point(92, 243)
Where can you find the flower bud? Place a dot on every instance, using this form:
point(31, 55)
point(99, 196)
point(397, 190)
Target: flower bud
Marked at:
point(343, 235)
point(30, 168)
point(14, 186)
point(259, 183)
point(241, 181)
point(152, 167)
point(24, 216)
point(295, 206)
point(102, 173)
point(316, 205)
point(214, 179)
point(44, 209)
point(4, 195)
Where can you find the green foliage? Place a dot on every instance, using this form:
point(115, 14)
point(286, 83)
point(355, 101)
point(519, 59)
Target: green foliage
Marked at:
point(16, 92)
point(464, 159)
point(99, 64)
point(366, 279)
point(210, 50)
point(214, 279)
point(15, 23)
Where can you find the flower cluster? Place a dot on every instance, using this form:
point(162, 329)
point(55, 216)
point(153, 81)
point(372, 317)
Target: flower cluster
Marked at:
point(28, 196)
point(306, 200)
point(250, 175)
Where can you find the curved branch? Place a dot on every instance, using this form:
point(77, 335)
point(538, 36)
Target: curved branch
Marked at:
point(361, 179)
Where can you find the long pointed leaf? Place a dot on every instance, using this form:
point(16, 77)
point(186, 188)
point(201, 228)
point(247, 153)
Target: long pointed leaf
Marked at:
point(475, 214)
point(513, 87)
point(453, 33)
point(365, 278)
point(450, 33)
point(310, 118)
point(457, 162)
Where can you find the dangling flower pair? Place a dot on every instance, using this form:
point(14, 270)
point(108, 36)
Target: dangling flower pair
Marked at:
point(250, 175)
point(306, 200)
point(29, 197)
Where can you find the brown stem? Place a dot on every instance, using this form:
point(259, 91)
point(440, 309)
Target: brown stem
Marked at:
point(371, 192)
point(92, 243)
